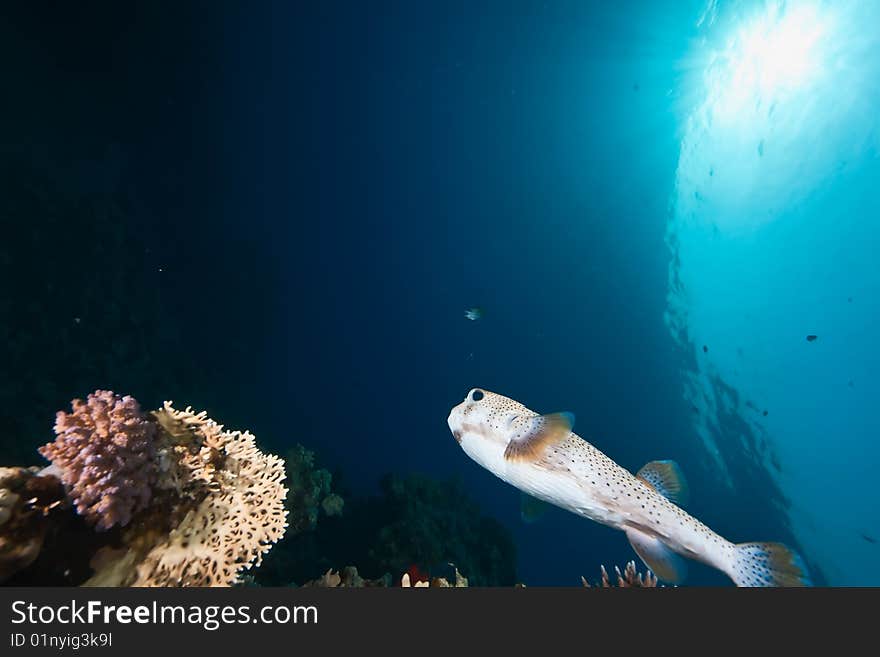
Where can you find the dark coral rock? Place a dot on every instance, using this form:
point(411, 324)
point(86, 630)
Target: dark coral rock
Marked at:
point(431, 524)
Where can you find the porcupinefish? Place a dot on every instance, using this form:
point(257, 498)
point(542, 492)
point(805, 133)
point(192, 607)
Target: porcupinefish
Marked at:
point(541, 456)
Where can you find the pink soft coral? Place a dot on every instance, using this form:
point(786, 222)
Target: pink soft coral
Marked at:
point(105, 456)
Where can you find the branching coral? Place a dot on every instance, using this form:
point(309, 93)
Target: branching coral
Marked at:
point(105, 455)
point(630, 578)
point(221, 508)
point(169, 498)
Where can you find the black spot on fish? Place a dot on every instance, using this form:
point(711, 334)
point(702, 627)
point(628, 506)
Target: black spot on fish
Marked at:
point(811, 338)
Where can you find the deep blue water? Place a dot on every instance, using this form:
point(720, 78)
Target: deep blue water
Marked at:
point(323, 191)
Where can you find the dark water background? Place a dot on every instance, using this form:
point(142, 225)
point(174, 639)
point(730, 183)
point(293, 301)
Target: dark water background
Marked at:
point(304, 200)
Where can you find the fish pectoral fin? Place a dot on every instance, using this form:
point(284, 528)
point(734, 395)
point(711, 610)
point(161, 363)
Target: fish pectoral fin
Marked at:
point(538, 433)
point(662, 561)
point(667, 479)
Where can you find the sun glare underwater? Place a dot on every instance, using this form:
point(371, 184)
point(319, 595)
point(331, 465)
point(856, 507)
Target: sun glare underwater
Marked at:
point(672, 238)
point(773, 235)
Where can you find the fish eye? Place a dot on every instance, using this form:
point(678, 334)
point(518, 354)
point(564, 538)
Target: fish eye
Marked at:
point(477, 395)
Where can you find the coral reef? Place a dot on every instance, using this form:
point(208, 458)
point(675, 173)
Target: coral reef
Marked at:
point(105, 456)
point(430, 523)
point(171, 498)
point(27, 501)
point(350, 578)
point(225, 504)
point(298, 557)
point(459, 582)
point(309, 492)
point(347, 578)
point(332, 505)
point(416, 525)
point(630, 578)
point(214, 503)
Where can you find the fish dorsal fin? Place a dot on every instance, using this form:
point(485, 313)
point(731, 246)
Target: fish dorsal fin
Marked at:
point(662, 561)
point(535, 434)
point(667, 479)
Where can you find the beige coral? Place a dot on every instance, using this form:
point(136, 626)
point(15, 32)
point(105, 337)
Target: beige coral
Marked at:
point(406, 583)
point(230, 509)
point(630, 578)
point(437, 582)
point(331, 579)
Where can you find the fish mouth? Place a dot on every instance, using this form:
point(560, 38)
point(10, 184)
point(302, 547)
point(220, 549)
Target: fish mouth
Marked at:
point(453, 422)
point(457, 420)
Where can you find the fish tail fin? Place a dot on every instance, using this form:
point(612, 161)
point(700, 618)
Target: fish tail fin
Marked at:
point(767, 564)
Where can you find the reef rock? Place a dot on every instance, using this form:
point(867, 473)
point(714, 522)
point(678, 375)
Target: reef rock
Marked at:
point(27, 500)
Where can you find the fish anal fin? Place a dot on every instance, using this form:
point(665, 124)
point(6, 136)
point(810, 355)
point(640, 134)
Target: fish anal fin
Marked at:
point(662, 561)
point(536, 434)
point(667, 479)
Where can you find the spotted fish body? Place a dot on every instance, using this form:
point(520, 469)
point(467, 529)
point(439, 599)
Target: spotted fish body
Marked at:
point(541, 456)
